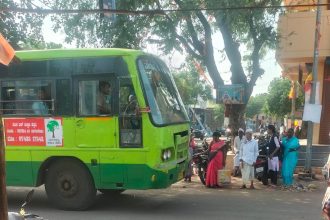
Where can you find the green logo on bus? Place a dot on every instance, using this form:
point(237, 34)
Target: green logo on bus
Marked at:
point(52, 125)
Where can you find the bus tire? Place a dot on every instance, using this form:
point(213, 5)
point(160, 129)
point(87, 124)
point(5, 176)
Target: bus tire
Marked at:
point(69, 185)
point(111, 192)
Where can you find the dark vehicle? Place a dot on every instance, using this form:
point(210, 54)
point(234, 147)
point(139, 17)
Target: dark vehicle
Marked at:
point(200, 159)
point(21, 215)
point(261, 167)
point(222, 131)
point(199, 134)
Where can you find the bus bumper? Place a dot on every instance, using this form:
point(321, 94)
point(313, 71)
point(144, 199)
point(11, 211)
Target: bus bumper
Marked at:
point(165, 178)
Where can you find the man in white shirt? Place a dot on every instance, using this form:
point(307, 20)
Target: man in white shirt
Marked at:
point(237, 145)
point(248, 155)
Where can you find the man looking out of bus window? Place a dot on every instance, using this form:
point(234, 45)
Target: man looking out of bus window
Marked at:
point(103, 99)
point(39, 107)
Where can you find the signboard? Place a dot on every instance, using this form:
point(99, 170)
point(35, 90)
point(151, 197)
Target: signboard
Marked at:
point(33, 131)
point(231, 94)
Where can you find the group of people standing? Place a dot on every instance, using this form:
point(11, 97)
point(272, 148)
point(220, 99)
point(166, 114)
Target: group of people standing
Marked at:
point(281, 153)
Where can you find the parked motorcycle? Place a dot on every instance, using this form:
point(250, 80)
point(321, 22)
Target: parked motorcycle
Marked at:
point(200, 159)
point(261, 167)
point(21, 215)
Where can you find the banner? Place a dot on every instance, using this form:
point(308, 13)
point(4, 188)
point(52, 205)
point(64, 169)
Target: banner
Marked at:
point(33, 131)
point(312, 112)
point(7, 53)
point(231, 94)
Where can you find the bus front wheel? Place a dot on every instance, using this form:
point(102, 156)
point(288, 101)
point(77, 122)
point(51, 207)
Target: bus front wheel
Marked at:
point(69, 185)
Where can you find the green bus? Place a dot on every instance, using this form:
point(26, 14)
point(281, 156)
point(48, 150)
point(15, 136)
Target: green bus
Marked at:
point(82, 120)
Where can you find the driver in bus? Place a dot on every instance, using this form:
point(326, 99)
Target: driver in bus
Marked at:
point(103, 99)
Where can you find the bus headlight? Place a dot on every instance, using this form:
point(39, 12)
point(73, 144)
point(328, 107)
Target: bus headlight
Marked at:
point(169, 154)
point(166, 155)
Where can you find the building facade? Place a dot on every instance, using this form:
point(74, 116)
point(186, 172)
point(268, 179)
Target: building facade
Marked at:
point(296, 28)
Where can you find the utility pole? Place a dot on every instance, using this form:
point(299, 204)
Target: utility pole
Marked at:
point(293, 104)
point(3, 193)
point(308, 167)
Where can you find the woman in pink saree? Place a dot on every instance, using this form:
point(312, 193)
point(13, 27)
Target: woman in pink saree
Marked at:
point(216, 161)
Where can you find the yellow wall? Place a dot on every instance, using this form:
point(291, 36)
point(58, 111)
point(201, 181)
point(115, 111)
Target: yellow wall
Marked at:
point(302, 2)
point(297, 32)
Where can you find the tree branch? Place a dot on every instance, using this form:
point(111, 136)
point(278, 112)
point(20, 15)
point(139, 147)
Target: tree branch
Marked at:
point(255, 57)
point(183, 41)
point(205, 49)
point(232, 51)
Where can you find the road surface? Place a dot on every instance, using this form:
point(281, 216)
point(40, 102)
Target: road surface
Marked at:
point(186, 201)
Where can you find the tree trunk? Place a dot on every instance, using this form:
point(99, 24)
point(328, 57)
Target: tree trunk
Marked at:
point(236, 117)
point(3, 193)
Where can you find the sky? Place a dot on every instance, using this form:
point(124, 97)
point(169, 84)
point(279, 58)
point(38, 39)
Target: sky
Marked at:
point(175, 60)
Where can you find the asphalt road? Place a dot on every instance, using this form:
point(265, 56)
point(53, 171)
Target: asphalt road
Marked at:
point(186, 201)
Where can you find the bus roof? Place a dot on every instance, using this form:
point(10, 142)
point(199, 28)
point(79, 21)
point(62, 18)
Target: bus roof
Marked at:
point(34, 55)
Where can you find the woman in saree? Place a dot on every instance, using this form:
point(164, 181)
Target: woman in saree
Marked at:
point(216, 161)
point(290, 157)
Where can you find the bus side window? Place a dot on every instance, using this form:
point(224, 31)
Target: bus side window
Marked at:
point(27, 97)
point(8, 100)
point(63, 97)
point(95, 97)
point(130, 118)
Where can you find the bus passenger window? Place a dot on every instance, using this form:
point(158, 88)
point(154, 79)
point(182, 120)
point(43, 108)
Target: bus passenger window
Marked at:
point(39, 106)
point(130, 117)
point(95, 97)
point(27, 97)
point(104, 98)
point(8, 103)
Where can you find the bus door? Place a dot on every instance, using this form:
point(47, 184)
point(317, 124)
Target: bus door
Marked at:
point(97, 127)
point(96, 124)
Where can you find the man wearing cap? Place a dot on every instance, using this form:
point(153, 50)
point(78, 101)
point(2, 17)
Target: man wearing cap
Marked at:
point(237, 144)
point(248, 155)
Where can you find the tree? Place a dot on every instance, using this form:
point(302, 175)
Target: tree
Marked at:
point(186, 31)
point(191, 86)
point(20, 28)
point(278, 102)
point(52, 126)
point(85, 30)
point(255, 105)
point(219, 112)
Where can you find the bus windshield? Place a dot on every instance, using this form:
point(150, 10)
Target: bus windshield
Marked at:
point(162, 95)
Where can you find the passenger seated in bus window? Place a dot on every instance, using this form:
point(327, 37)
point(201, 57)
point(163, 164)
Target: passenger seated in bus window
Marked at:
point(104, 98)
point(40, 107)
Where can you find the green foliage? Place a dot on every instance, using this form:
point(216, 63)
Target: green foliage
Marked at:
point(256, 105)
point(85, 30)
point(219, 112)
point(190, 86)
point(19, 28)
point(39, 45)
point(278, 102)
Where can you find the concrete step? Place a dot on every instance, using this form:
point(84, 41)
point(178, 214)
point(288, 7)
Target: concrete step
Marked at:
point(320, 154)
